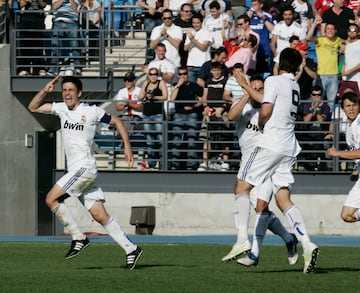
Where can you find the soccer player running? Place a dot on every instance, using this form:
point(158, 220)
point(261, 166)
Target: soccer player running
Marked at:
point(350, 103)
point(276, 151)
point(78, 123)
point(245, 113)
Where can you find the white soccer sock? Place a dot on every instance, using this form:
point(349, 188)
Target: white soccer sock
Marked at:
point(242, 215)
point(261, 224)
point(62, 212)
point(116, 232)
point(275, 226)
point(293, 215)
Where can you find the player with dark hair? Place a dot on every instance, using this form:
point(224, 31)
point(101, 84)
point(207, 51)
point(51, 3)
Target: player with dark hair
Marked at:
point(78, 123)
point(275, 153)
point(350, 103)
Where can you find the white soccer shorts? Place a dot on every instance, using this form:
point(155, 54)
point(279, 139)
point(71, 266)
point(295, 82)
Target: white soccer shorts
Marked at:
point(82, 182)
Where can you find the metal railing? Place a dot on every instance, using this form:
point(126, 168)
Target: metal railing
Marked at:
point(115, 46)
point(311, 159)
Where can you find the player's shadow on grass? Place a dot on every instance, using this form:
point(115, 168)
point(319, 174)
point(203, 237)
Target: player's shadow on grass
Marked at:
point(138, 267)
point(316, 271)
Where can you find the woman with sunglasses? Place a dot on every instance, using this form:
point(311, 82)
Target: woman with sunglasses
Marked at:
point(153, 92)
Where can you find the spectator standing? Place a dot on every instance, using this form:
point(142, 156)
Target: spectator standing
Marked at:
point(225, 6)
point(31, 35)
point(327, 51)
point(129, 103)
point(90, 20)
point(275, 8)
point(197, 43)
point(340, 17)
point(153, 92)
point(307, 72)
point(170, 35)
point(351, 68)
point(152, 19)
point(78, 124)
point(261, 23)
point(283, 31)
point(183, 20)
point(305, 11)
point(65, 34)
point(215, 23)
point(188, 109)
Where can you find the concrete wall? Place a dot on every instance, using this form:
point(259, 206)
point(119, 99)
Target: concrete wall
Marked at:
point(17, 163)
point(212, 214)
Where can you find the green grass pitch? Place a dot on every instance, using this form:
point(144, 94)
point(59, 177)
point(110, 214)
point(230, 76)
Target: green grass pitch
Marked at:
point(41, 267)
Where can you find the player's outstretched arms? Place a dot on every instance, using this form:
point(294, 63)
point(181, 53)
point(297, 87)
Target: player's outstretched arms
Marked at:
point(36, 102)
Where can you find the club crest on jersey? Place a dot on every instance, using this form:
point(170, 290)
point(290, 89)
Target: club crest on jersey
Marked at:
point(83, 118)
point(74, 126)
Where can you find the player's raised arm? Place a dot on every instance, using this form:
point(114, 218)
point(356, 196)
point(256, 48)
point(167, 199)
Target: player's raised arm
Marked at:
point(36, 102)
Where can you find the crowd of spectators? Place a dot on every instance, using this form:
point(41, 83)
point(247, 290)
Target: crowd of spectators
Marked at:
point(193, 50)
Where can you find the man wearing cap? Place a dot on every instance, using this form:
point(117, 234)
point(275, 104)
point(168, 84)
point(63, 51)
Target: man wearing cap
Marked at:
point(129, 104)
point(307, 71)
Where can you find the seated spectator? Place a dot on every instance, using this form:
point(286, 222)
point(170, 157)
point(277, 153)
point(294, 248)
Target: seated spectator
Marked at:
point(217, 123)
point(233, 90)
point(316, 115)
point(218, 55)
point(245, 55)
point(153, 92)
point(167, 71)
point(186, 125)
point(130, 105)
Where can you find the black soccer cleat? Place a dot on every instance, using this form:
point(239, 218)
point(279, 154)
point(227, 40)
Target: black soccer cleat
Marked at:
point(132, 258)
point(76, 247)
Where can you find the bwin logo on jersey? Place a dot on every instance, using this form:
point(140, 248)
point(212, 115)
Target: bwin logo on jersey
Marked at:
point(254, 127)
point(74, 126)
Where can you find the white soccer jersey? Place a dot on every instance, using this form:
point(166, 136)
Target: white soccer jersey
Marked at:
point(78, 130)
point(214, 26)
point(283, 92)
point(172, 53)
point(123, 95)
point(284, 33)
point(352, 59)
point(247, 129)
point(196, 56)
